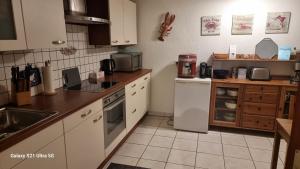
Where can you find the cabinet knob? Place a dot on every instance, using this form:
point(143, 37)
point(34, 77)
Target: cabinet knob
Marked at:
point(58, 42)
point(83, 115)
point(133, 111)
point(257, 121)
point(89, 112)
point(127, 41)
point(115, 41)
point(259, 108)
point(133, 94)
point(142, 87)
point(133, 86)
point(146, 78)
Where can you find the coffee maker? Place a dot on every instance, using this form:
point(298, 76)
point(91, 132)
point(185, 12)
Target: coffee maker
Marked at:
point(296, 78)
point(187, 65)
point(108, 66)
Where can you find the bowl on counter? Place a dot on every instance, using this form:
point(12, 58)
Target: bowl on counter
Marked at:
point(221, 73)
point(232, 92)
point(230, 104)
point(221, 91)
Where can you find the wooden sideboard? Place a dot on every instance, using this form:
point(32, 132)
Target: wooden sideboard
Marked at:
point(258, 103)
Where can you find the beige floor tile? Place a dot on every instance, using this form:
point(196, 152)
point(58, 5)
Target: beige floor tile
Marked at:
point(150, 121)
point(210, 148)
point(261, 155)
point(210, 137)
point(156, 153)
point(151, 164)
point(166, 124)
point(139, 139)
point(131, 150)
point(282, 155)
point(209, 161)
point(234, 139)
point(145, 130)
point(258, 142)
point(234, 163)
point(187, 135)
point(159, 141)
point(263, 165)
point(236, 152)
point(182, 157)
point(124, 160)
point(176, 166)
point(182, 144)
point(166, 132)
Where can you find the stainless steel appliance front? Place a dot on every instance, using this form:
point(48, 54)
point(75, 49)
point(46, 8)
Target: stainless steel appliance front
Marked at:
point(114, 116)
point(127, 62)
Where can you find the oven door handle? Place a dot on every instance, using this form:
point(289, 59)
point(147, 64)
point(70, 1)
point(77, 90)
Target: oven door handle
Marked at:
point(113, 105)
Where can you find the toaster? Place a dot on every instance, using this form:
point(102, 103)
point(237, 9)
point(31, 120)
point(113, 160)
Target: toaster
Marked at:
point(259, 73)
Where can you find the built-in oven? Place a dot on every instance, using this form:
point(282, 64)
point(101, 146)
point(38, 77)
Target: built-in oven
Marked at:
point(114, 116)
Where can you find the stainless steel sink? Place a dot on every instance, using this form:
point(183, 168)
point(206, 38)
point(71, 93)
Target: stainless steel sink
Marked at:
point(14, 120)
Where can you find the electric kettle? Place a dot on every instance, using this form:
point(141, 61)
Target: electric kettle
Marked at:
point(108, 66)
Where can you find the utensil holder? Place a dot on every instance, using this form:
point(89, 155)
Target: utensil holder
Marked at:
point(23, 98)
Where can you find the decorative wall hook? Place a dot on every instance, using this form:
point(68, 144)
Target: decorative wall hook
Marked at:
point(166, 27)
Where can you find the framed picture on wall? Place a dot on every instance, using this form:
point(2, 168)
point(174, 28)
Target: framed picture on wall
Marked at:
point(278, 22)
point(242, 24)
point(210, 25)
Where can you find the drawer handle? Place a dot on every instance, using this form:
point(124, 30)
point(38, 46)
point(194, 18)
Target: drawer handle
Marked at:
point(127, 41)
point(83, 115)
point(89, 112)
point(133, 111)
point(146, 78)
point(259, 109)
point(58, 42)
point(257, 121)
point(133, 94)
point(115, 41)
point(96, 120)
point(142, 87)
point(133, 86)
point(261, 88)
point(260, 97)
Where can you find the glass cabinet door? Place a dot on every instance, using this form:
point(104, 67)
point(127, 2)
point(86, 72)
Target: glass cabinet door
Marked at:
point(12, 34)
point(226, 105)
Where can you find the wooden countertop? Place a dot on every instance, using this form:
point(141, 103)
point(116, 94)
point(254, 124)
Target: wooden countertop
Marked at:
point(68, 102)
point(252, 82)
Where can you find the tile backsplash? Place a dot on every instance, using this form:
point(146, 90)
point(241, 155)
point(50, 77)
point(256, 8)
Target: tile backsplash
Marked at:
point(87, 59)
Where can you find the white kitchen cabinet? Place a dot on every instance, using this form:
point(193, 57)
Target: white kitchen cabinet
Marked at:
point(123, 29)
point(85, 144)
point(49, 157)
point(36, 143)
point(12, 35)
point(137, 100)
point(44, 23)
point(130, 25)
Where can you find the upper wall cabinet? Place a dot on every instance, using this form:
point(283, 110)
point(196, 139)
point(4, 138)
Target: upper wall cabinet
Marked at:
point(44, 23)
point(32, 24)
point(123, 22)
point(12, 35)
point(122, 29)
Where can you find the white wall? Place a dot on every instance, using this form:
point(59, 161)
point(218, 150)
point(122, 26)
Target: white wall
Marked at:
point(185, 36)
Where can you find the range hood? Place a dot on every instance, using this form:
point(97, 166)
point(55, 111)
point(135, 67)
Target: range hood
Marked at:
point(76, 13)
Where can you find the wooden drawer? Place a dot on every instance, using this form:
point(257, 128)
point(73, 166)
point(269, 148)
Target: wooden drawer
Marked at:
point(82, 114)
point(258, 122)
point(261, 89)
point(259, 109)
point(261, 98)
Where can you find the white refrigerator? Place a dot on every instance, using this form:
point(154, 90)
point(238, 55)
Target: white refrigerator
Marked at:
point(191, 104)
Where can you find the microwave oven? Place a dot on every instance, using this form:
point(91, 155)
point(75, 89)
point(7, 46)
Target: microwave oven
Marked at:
point(127, 62)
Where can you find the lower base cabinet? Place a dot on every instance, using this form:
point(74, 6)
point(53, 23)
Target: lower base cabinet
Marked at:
point(51, 156)
point(85, 144)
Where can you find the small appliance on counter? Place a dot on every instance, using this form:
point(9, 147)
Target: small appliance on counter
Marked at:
point(221, 73)
point(127, 61)
point(72, 81)
point(296, 78)
point(187, 65)
point(47, 79)
point(205, 70)
point(108, 66)
point(259, 73)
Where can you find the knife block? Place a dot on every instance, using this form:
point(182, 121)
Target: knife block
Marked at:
point(23, 98)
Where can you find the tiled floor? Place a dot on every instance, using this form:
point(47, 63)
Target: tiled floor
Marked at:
point(155, 144)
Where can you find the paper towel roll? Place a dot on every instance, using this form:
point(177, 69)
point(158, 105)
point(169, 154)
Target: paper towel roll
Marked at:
point(48, 81)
